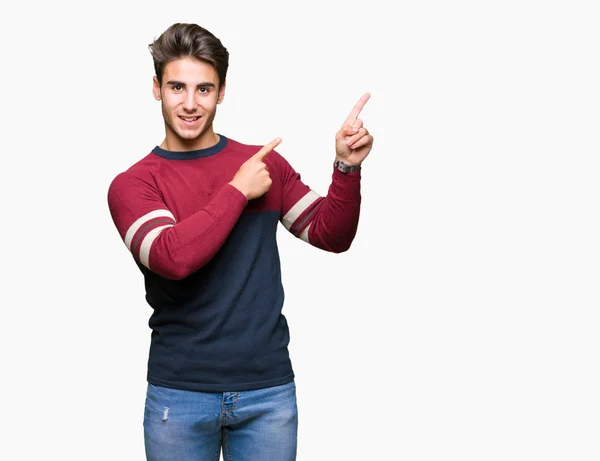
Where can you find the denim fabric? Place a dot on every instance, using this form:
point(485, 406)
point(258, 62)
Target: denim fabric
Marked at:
point(257, 425)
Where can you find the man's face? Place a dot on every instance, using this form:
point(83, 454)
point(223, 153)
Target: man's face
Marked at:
point(189, 95)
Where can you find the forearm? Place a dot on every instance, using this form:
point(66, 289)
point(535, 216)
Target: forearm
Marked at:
point(178, 250)
point(334, 222)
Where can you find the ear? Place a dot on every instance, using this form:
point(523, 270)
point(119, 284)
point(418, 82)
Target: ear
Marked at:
point(221, 93)
point(156, 89)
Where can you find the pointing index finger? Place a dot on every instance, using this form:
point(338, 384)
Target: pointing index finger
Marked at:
point(357, 108)
point(267, 148)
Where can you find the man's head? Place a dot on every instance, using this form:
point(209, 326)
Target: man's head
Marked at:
point(191, 65)
point(189, 40)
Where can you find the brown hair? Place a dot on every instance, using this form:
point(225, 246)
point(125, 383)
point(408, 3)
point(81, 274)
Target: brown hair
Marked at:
point(189, 40)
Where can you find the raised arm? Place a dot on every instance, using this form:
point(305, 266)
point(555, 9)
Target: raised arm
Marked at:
point(175, 249)
point(170, 248)
point(330, 223)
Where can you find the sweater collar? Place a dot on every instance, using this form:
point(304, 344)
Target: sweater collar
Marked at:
point(191, 154)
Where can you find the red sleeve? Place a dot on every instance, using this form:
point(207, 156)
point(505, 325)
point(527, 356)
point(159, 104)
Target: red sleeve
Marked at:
point(329, 222)
point(169, 248)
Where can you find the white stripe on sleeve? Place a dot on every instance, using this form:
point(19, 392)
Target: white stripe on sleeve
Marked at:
point(300, 206)
point(141, 221)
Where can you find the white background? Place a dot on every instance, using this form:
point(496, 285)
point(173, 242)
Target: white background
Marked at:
point(463, 323)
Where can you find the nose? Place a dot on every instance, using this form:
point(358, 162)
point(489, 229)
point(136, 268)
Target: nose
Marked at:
point(189, 102)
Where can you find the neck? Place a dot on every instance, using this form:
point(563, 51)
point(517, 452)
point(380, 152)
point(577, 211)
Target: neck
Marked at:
point(177, 144)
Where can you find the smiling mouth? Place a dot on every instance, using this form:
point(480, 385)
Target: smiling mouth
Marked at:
point(189, 119)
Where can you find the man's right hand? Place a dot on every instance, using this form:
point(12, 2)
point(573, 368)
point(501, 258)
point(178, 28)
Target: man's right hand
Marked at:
point(253, 179)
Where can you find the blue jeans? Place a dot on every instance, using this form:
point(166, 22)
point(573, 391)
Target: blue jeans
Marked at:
point(258, 425)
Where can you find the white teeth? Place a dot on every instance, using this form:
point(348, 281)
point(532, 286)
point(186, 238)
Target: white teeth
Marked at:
point(190, 119)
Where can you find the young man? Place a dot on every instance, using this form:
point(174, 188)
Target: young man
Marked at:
point(199, 214)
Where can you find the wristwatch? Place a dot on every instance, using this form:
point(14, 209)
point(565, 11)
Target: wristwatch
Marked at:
point(345, 168)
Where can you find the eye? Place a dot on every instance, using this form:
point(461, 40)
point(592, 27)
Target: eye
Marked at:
point(177, 87)
point(203, 89)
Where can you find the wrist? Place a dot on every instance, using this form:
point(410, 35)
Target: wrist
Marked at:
point(346, 167)
point(239, 188)
point(346, 161)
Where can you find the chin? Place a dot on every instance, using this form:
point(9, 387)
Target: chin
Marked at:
point(186, 136)
point(189, 135)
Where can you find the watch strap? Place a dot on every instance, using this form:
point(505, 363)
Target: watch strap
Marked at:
point(346, 168)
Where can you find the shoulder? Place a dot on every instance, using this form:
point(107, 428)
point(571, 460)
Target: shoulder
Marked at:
point(250, 149)
point(276, 162)
point(137, 175)
point(241, 148)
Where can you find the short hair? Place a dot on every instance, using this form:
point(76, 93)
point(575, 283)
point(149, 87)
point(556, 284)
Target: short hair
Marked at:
point(183, 40)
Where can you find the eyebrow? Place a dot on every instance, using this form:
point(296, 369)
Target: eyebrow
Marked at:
point(203, 84)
